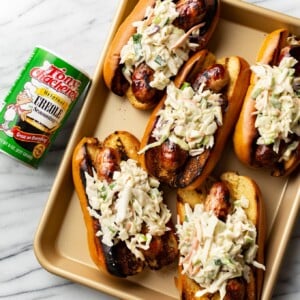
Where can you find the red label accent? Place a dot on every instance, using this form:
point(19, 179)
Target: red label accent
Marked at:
point(29, 137)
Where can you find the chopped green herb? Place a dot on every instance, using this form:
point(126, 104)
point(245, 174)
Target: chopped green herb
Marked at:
point(218, 262)
point(159, 60)
point(185, 85)
point(137, 42)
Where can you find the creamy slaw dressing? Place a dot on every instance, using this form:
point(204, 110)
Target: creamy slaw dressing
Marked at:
point(154, 42)
point(126, 205)
point(277, 105)
point(213, 251)
point(189, 119)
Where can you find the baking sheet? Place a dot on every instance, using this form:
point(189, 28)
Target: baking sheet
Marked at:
point(61, 243)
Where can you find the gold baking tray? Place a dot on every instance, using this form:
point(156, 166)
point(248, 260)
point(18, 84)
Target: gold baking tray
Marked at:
point(61, 244)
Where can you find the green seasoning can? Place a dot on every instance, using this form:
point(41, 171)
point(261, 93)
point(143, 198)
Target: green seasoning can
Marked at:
point(38, 104)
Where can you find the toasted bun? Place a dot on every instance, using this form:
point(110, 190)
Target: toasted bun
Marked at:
point(193, 175)
point(81, 163)
point(121, 37)
point(245, 133)
point(138, 104)
point(111, 68)
point(239, 186)
point(116, 260)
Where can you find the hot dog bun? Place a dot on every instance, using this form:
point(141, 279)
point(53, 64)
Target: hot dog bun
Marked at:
point(206, 18)
point(123, 34)
point(95, 160)
point(274, 47)
point(192, 171)
point(239, 187)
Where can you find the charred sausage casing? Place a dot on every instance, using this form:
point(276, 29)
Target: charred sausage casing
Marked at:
point(99, 176)
point(152, 43)
point(188, 130)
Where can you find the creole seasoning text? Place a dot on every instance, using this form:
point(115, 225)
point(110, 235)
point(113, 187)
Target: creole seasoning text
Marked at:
point(57, 79)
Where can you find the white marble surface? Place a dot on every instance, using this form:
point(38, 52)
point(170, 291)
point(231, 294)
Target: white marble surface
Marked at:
point(76, 29)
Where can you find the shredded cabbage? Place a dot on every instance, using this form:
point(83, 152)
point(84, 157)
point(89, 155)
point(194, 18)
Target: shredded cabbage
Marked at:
point(153, 43)
point(213, 251)
point(127, 204)
point(277, 105)
point(189, 119)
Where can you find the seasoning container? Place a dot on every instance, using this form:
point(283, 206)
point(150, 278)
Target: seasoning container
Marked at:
point(38, 104)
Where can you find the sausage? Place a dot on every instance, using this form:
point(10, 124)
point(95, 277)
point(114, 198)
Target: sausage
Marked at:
point(197, 18)
point(141, 78)
point(162, 251)
point(105, 158)
point(172, 157)
point(215, 78)
point(230, 77)
point(218, 200)
point(283, 160)
point(235, 289)
point(107, 161)
point(191, 12)
point(265, 156)
point(193, 243)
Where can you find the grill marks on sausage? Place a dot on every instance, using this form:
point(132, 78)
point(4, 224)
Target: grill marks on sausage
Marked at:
point(172, 156)
point(215, 78)
point(119, 260)
point(191, 13)
point(141, 78)
point(162, 251)
point(192, 169)
point(174, 163)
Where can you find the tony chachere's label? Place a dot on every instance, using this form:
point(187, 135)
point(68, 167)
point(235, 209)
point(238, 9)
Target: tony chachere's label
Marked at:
point(38, 105)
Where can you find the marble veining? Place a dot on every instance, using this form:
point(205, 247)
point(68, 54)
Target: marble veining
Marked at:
point(77, 30)
point(290, 7)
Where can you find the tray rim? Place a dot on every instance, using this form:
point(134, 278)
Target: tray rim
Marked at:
point(46, 257)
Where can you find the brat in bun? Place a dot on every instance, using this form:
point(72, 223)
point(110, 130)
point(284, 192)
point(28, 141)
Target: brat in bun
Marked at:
point(128, 225)
point(221, 232)
point(152, 44)
point(267, 134)
point(188, 129)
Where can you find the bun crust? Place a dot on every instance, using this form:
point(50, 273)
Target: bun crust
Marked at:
point(123, 34)
point(116, 260)
point(239, 186)
point(245, 133)
point(112, 73)
point(239, 73)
